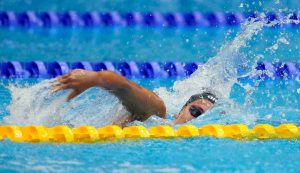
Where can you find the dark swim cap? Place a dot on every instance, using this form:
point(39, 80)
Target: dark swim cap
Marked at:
point(206, 95)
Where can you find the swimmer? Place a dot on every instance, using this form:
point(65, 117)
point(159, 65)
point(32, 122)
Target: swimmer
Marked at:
point(140, 102)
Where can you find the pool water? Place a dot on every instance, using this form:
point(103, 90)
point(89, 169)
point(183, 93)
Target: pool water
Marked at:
point(150, 5)
point(174, 155)
point(249, 101)
point(140, 44)
point(186, 155)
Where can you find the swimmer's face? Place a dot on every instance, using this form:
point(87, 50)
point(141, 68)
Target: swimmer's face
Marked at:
point(185, 115)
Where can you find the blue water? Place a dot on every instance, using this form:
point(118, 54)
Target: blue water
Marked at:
point(250, 102)
point(150, 5)
point(139, 44)
point(177, 155)
point(186, 155)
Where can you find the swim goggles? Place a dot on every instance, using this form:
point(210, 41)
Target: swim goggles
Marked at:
point(196, 111)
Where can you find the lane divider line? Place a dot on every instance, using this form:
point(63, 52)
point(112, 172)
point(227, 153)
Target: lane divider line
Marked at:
point(152, 19)
point(90, 134)
point(131, 69)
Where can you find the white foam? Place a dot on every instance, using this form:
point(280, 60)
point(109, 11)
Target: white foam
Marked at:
point(37, 105)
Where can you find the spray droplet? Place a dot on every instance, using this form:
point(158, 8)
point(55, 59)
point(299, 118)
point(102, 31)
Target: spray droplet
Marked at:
point(269, 116)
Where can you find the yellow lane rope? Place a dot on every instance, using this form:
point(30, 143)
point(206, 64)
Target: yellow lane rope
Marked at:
point(90, 134)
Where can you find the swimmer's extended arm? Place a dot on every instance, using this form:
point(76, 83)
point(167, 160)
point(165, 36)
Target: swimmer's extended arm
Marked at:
point(139, 101)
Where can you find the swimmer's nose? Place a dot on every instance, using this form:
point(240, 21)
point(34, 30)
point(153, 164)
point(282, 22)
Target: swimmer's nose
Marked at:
point(176, 116)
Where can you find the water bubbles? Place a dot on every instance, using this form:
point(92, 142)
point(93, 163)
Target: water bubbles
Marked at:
point(283, 40)
point(269, 116)
point(275, 46)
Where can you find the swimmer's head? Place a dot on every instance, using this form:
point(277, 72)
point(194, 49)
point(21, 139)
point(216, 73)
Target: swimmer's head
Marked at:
point(196, 106)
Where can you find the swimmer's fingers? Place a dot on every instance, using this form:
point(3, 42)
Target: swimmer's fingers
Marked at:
point(73, 94)
point(63, 78)
point(60, 81)
point(59, 87)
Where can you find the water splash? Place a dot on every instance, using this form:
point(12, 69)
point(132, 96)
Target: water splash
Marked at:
point(218, 74)
point(275, 46)
point(36, 105)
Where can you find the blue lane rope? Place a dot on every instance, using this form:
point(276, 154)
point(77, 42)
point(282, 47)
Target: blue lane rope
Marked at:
point(94, 19)
point(39, 69)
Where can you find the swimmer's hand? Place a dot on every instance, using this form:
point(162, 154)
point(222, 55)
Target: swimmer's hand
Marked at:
point(78, 80)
